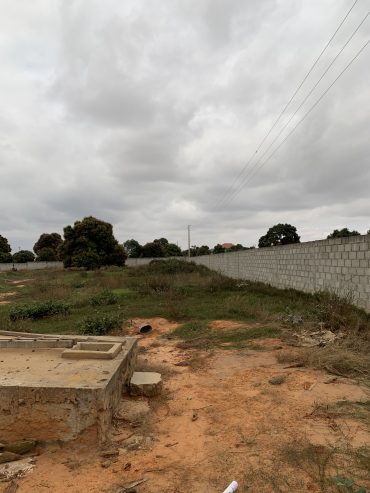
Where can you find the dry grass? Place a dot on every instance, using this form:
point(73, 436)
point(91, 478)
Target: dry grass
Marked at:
point(333, 358)
point(277, 380)
point(301, 466)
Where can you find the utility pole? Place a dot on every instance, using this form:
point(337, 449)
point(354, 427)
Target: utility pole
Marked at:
point(189, 240)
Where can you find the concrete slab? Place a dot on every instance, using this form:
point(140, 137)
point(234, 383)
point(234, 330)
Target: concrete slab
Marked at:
point(93, 350)
point(146, 383)
point(46, 397)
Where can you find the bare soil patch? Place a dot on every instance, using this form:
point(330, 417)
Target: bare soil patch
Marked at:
point(4, 296)
point(230, 325)
point(219, 421)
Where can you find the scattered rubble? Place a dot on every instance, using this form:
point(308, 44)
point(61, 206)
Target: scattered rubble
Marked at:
point(317, 338)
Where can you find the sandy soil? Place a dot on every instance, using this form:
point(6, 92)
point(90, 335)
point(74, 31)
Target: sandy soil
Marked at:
point(219, 419)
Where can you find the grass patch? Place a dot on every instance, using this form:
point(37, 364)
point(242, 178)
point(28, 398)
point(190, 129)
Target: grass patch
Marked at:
point(38, 310)
point(184, 292)
point(338, 468)
point(105, 297)
point(100, 324)
point(336, 358)
point(198, 334)
point(121, 291)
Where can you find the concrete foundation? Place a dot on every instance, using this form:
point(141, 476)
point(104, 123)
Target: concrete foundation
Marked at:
point(46, 397)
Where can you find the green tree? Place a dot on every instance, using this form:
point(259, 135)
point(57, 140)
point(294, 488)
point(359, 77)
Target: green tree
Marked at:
point(173, 250)
point(47, 255)
point(48, 246)
point(342, 233)
point(4, 245)
point(133, 248)
point(237, 248)
point(218, 248)
point(23, 256)
point(203, 250)
point(280, 234)
point(90, 243)
point(6, 258)
point(153, 249)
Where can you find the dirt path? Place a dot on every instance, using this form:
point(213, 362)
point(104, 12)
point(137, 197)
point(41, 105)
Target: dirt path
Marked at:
point(219, 419)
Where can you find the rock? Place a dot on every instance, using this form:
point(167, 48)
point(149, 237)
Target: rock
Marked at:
point(106, 454)
point(8, 457)
point(146, 383)
point(20, 447)
point(105, 464)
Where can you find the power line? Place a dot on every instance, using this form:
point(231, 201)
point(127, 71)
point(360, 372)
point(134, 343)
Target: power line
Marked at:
point(255, 165)
point(304, 116)
point(286, 106)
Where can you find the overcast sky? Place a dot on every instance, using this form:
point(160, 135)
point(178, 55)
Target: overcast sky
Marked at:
point(142, 113)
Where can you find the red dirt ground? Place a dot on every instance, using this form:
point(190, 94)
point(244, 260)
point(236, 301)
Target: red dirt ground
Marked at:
point(219, 419)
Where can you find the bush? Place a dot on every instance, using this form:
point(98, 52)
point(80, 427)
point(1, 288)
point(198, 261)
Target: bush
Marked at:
point(100, 324)
point(106, 297)
point(174, 266)
point(38, 310)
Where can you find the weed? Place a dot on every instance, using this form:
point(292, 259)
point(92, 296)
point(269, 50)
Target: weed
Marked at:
point(347, 485)
point(105, 297)
point(218, 282)
point(277, 380)
point(100, 324)
point(38, 310)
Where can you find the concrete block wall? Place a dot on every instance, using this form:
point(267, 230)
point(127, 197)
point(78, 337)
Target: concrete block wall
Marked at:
point(340, 265)
point(31, 266)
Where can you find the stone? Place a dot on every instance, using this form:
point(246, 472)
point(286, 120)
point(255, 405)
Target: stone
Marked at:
point(8, 457)
point(146, 383)
point(20, 446)
point(107, 454)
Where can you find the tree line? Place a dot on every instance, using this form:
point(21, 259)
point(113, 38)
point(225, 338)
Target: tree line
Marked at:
point(90, 243)
point(162, 248)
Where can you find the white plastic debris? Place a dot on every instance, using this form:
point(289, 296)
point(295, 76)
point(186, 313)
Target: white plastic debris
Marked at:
point(232, 487)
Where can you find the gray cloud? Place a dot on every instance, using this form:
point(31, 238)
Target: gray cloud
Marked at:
point(143, 113)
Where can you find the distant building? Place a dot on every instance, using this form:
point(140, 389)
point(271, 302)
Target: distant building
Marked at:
point(227, 246)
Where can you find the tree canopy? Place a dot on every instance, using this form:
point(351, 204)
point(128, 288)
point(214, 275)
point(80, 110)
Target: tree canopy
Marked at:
point(90, 243)
point(47, 247)
point(280, 234)
point(4, 245)
point(5, 255)
point(156, 249)
point(218, 248)
point(23, 256)
point(133, 248)
point(343, 233)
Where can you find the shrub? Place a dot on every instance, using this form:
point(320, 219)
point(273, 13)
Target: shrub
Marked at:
point(174, 266)
point(38, 310)
point(105, 297)
point(100, 324)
